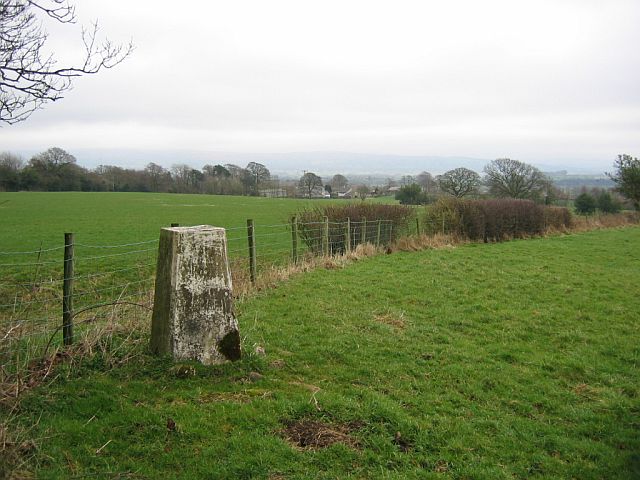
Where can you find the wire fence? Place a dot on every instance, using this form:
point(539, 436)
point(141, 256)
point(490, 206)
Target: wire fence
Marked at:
point(32, 294)
point(58, 295)
point(76, 292)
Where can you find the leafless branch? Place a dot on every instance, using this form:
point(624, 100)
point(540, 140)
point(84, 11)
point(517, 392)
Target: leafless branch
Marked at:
point(29, 77)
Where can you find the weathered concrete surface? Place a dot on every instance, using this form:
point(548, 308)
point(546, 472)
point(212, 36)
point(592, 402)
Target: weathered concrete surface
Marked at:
point(193, 316)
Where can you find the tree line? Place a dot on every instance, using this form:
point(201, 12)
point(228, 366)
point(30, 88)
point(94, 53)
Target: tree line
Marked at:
point(508, 178)
point(57, 170)
point(503, 178)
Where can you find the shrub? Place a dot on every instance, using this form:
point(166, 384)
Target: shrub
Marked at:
point(411, 195)
point(607, 203)
point(364, 217)
point(495, 219)
point(585, 204)
point(627, 178)
point(558, 218)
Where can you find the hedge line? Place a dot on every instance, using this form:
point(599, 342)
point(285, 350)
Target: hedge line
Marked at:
point(495, 219)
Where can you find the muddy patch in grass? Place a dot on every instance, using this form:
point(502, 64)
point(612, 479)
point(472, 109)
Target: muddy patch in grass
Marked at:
point(307, 434)
point(392, 319)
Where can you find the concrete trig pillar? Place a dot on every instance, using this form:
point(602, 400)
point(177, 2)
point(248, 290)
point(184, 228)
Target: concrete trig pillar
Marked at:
point(193, 315)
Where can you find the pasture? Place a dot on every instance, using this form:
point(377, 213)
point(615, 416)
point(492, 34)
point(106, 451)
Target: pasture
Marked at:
point(107, 218)
point(512, 360)
point(115, 247)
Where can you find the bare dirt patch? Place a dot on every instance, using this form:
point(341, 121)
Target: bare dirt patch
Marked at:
point(392, 319)
point(307, 434)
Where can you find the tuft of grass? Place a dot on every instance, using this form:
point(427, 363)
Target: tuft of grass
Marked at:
point(514, 360)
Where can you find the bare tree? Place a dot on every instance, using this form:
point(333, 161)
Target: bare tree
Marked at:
point(407, 180)
point(55, 170)
point(339, 183)
point(309, 182)
point(158, 176)
point(52, 158)
point(514, 179)
point(216, 171)
point(10, 166)
point(259, 174)
point(459, 182)
point(11, 161)
point(427, 182)
point(29, 75)
point(234, 170)
point(363, 191)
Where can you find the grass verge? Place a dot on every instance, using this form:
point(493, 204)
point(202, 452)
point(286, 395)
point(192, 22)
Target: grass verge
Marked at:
point(512, 360)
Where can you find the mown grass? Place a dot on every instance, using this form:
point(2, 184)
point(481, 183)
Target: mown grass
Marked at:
point(513, 360)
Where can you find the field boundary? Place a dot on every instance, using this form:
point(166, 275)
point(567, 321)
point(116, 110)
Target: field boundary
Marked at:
point(75, 293)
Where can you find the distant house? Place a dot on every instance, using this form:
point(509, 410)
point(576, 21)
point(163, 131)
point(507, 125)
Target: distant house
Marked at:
point(347, 194)
point(317, 192)
point(273, 192)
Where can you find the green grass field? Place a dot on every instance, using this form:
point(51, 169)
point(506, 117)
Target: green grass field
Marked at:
point(32, 244)
point(114, 218)
point(34, 225)
point(116, 242)
point(486, 361)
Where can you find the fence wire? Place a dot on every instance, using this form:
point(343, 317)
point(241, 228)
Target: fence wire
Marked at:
point(109, 281)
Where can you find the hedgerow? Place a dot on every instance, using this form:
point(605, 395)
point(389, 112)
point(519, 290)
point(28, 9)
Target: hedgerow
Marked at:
point(366, 220)
point(495, 219)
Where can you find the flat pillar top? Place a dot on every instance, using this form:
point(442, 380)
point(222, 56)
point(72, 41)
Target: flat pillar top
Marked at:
point(194, 229)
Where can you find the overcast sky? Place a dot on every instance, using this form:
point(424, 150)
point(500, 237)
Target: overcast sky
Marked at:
point(548, 82)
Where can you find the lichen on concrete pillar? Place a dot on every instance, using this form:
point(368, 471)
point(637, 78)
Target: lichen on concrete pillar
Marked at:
point(193, 316)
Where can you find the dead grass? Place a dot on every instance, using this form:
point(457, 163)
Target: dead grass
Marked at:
point(417, 243)
point(17, 448)
point(271, 276)
point(583, 223)
point(228, 397)
point(579, 224)
point(110, 330)
point(307, 434)
point(391, 318)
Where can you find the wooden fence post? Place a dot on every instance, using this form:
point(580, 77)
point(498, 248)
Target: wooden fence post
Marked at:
point(418, 226)
point(325, 237)
point(378, 236)
point(251, 237)
point(294, 239)
point(363, 233)
point(67, 291)
point(347, 236)
point(443, 223)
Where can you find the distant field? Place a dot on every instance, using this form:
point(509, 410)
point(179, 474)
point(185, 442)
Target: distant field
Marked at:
point(486, 361)
point(116, 242)
point(29, 218)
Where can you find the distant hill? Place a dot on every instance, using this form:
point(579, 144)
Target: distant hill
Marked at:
point(578, 181)
point(291, 164)
point(294, 164)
